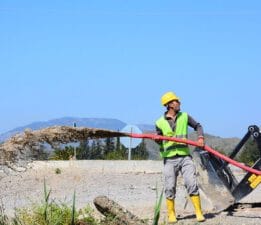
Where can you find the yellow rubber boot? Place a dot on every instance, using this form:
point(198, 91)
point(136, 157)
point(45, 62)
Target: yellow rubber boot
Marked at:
point(171, 211)
point(197, 205)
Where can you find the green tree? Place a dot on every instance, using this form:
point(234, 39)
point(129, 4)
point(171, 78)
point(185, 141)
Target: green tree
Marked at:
point(82, 152)
point(100, 149)
point(118, 144)
point(96, 150)
point(250, 153)
point(117, 154)
point(140, 152)
point(114, 151)
point(109, 145)
point(62, 154)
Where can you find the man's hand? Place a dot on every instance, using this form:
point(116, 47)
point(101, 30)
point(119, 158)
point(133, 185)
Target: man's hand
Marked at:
point(201, 141)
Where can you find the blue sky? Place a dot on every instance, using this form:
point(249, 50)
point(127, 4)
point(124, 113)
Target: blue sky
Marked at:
point(114, 59)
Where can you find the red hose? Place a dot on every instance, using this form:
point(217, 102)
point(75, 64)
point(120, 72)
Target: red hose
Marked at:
point(193, 143)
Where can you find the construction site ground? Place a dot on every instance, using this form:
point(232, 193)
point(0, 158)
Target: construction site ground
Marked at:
point(132, 184)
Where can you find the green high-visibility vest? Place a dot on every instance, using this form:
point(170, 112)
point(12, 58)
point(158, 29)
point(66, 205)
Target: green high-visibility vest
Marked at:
point(170, 148)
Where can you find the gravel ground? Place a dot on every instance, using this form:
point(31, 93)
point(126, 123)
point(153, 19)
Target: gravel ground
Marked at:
point(133, 188)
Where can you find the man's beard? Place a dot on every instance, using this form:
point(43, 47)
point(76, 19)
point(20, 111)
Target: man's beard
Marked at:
point(177, 110)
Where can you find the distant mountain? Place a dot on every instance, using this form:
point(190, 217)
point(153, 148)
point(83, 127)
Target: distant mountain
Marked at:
point(226, 145)
point(146, 127)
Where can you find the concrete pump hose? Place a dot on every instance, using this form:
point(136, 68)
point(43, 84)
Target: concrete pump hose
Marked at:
point(193, 143)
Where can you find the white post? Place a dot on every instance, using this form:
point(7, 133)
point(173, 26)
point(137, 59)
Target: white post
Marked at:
point(129, 155)
point(74, 149)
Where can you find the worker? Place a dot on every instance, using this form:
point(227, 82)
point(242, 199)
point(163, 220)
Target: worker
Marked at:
point(176, 156)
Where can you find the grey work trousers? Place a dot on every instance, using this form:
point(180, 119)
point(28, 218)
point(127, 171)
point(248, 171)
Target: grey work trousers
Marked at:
point(172, 167)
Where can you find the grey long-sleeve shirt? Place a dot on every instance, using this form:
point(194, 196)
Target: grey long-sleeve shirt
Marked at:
point(191, 122)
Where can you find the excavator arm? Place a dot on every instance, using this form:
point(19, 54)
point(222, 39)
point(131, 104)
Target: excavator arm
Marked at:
point(217, 181)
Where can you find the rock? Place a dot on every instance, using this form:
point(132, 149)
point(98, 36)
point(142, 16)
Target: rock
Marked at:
point(110, 208)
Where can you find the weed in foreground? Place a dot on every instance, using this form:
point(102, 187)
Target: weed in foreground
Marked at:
point(157, 207)
point(49, 212)
point(3, 217)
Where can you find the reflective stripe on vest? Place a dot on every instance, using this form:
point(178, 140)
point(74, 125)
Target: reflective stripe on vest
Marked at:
point(170, 148)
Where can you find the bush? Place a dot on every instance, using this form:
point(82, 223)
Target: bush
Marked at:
point(250, 153)
point(58, 171)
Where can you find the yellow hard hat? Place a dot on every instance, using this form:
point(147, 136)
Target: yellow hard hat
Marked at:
point(168, 97)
